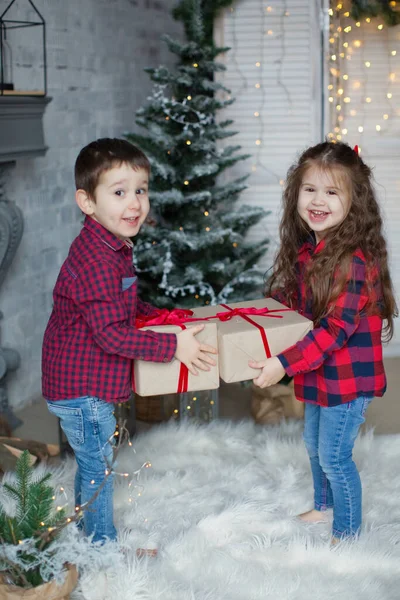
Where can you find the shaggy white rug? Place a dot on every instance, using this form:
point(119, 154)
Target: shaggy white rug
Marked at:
point(219, 502)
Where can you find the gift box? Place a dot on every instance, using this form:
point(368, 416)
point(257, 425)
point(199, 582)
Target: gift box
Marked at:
point(252, 330)
point(152, 379)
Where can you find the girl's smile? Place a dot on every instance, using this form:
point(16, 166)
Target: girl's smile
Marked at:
point(318, 216)
point(323, 202)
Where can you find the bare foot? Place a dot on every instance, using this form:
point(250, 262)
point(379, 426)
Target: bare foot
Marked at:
point(314, 516)
point(334, 541)
point(150, 552)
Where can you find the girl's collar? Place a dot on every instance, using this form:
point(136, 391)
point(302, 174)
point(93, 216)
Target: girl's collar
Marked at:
point(311, 244)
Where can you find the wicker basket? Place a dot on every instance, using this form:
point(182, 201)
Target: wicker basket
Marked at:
point(155, 409)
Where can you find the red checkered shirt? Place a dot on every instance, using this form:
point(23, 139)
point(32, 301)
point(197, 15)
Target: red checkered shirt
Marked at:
point(90, 339)
point(341, 359)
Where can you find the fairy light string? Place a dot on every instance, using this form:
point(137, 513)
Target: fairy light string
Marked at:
point(118, 440)
point(363, 92)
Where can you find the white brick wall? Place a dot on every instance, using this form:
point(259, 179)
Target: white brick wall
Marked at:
point(96, 52)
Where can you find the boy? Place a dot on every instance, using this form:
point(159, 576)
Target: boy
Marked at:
point(90, 340)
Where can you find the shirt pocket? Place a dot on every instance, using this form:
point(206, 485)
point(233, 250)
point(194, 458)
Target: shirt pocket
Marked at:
point(127, 282)
point(129, 292)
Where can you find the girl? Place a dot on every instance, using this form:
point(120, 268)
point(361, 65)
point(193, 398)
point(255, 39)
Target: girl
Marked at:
point(332, 267)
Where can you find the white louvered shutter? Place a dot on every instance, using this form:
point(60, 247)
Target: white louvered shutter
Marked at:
point(285, 39)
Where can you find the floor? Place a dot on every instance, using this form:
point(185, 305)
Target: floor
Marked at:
point(234, 399)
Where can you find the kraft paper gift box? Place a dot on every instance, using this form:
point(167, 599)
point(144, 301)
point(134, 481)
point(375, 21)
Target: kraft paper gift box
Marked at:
point(240, 340)
point(152, 379)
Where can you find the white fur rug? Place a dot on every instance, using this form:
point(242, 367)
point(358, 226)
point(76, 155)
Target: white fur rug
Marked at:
point(219, 502)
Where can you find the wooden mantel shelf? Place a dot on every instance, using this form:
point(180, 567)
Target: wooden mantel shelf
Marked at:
point(21, 126)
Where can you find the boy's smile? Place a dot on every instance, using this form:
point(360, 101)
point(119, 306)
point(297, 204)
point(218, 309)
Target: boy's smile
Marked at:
point(322, 203)
point(121, 202)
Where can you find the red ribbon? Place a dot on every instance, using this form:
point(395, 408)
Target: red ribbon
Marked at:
point(165, 317)
point(261, 312)
point(241, 312)
point(168, 317)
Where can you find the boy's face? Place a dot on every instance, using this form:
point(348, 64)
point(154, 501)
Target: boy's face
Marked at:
point(121, 200)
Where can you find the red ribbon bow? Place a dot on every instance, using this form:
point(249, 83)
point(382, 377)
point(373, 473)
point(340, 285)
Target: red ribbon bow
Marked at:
point(261, 312)
point(240, 312)
point(177, 316)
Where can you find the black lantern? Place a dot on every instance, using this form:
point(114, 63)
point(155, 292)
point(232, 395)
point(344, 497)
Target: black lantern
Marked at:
point(22, 50)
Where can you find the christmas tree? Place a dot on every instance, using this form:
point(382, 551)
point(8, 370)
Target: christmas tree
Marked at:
point(192, 251)
point(387, 9)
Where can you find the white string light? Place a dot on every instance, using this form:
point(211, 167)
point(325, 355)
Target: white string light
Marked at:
point(354, 92)
point(259, 111)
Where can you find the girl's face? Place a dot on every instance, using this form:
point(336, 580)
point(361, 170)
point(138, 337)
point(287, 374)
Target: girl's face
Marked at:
point(323, 201)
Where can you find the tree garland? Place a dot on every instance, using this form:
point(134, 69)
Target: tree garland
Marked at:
point(387, 9)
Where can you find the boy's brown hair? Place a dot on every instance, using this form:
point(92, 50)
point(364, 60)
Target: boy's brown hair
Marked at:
point(102, 155)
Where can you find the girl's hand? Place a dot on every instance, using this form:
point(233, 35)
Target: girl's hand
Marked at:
point(272, 371)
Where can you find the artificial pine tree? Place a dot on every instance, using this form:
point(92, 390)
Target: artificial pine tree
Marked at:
point(192, 251)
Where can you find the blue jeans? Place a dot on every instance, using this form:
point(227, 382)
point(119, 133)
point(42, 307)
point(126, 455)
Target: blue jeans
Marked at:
point(329, 436)
point(89, 425)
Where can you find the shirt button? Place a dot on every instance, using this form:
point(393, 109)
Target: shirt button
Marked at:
point(141, 358)
point(165, 360)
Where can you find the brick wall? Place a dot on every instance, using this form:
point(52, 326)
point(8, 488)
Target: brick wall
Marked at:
point(96, 52)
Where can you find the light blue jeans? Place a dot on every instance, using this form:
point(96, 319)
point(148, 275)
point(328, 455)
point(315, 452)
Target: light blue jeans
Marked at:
point(329, 436)
point(89, 425)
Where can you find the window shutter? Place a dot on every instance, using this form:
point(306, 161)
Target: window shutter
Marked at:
point(284, 38)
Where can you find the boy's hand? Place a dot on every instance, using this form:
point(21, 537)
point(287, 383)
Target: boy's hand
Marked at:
point(191, 353)
point(272, 371)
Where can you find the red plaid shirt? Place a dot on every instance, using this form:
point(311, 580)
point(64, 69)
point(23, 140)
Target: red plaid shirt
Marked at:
point(341, 359)
point(90, 339)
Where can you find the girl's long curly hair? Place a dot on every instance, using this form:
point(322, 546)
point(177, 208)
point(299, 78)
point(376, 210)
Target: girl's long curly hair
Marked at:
point(328, 270)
